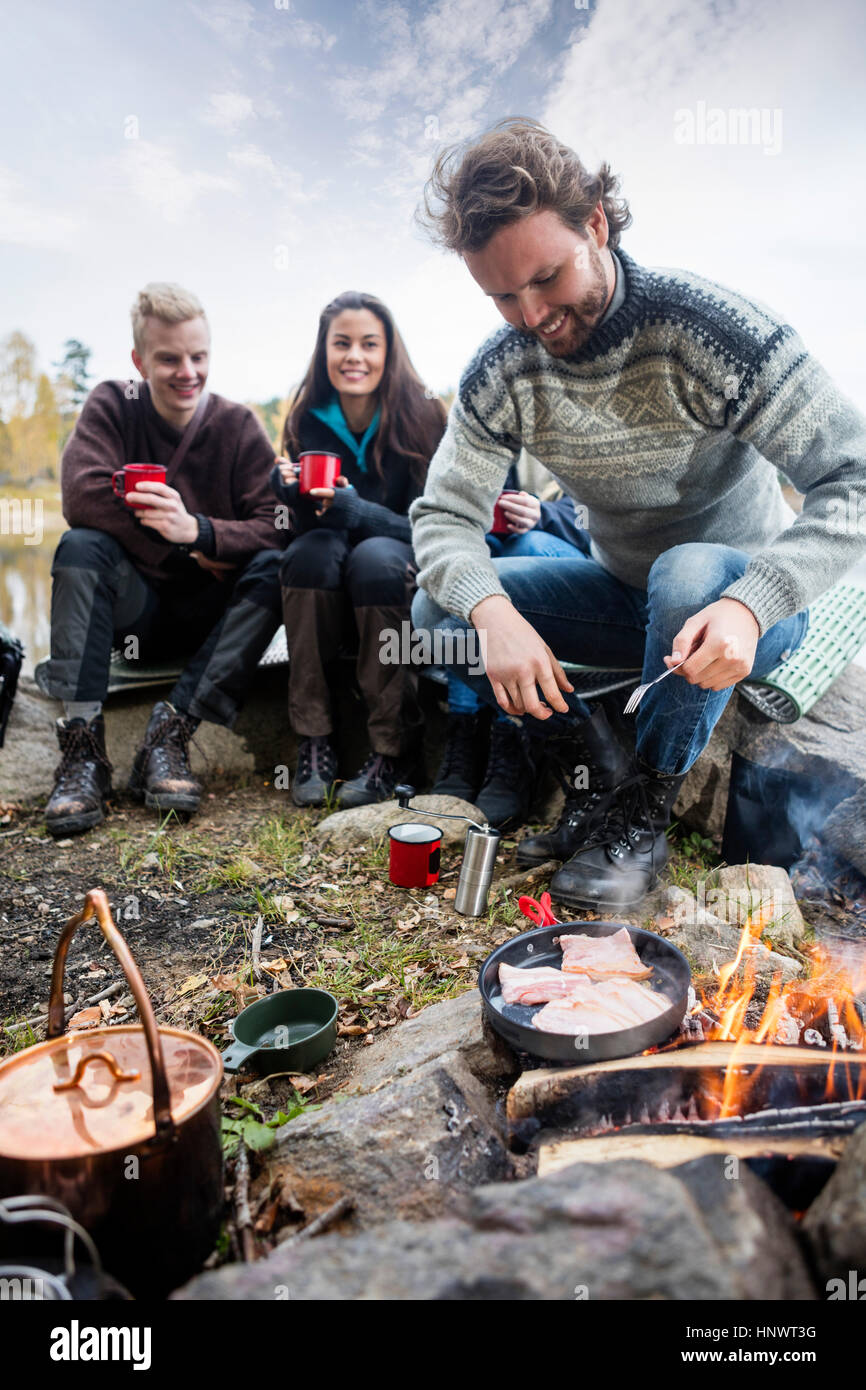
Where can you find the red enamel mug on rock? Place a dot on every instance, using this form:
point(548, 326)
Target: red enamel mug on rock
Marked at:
point(500, 519)
point(413, 860)
point(318, 470)
point(133, 474)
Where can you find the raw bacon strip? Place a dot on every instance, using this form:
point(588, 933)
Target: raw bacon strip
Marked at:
point(600, 957)
point(601, 1009)
point(534, 985)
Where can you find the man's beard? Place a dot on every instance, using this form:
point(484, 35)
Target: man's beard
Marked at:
point(582, 318)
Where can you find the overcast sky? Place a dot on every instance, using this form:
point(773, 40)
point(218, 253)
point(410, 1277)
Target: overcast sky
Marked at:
point(270, 155)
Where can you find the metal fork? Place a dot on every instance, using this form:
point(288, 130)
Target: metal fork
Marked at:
point(637, 695)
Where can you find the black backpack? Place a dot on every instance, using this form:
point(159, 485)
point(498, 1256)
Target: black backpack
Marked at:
point(11, 657)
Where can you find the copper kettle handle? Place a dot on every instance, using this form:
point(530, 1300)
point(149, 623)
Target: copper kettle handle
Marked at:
point(84, 1062)
point(96, 905)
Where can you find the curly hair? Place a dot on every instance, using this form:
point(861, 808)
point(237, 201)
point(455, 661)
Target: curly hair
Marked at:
point(512, 170)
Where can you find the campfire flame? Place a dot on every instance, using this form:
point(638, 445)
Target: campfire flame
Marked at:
point(820, 1010)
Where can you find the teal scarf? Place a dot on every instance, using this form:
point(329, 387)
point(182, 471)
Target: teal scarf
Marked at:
point(332, 416)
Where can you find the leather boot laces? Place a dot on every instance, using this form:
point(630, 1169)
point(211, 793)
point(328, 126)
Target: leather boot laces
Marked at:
point(316, 756)
point(630, 815)
point(170, 741)
point(80, 746)
point(378, 770)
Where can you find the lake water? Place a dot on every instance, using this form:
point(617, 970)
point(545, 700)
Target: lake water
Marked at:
point(25, 593)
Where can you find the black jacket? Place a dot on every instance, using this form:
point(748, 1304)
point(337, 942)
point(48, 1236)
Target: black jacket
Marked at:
point(372, 506)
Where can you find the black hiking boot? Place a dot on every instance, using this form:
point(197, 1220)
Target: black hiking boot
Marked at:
point(161, 775)
point(461, 771)
point(589, 762)
point(317, 771)
point(627, 850)
point(506, 795)
point(381, 774)
point(82, 778)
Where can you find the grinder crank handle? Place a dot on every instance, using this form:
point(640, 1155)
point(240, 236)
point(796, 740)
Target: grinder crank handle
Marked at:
point(403, 794)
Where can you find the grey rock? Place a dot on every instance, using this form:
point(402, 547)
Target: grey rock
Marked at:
point(835, 1224)
point(261, 738)
point(845, 830)
point(402, 1150)
point(455, 1025)
point(752, 1229)
point(622, 1230)
point(827, 743)
point(765, 888)
point(348, 829)
point(709, 942)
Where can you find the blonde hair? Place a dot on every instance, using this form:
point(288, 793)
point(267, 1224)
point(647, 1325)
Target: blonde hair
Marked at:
point(162, 300)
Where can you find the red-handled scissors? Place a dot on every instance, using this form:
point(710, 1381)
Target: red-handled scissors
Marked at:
point(541, 913)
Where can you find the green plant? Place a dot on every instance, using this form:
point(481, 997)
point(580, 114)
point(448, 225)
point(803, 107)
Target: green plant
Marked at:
point(252, 1129)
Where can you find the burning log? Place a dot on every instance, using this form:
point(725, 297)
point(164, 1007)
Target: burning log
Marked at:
point(655, 1144)
point(711, 1082)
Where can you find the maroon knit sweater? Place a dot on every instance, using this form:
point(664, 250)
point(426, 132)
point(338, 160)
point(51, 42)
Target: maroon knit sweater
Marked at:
point(224, 476)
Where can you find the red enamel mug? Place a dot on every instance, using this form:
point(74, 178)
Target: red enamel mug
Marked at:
point(500, 520)
point(133, 474)
point(413, 860)
point(318, 470)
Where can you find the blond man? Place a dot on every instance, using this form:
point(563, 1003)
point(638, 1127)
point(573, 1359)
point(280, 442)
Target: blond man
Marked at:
point(186, 567)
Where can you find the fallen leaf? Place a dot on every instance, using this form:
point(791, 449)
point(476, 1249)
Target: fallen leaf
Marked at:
point(384, 983)
point(303, 1083)
point(275, 967)
point(449, 894)
point(353, 1029)
point(105, 1009)
point(86, 1018)
point(225, 982)
point(191, 984)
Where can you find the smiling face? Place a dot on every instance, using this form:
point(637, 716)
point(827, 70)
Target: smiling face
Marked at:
point(175, 360)
point(356, 351)
point(547, 279)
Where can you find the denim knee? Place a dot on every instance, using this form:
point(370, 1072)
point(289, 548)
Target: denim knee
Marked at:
point(426, 613)
point(692, 575)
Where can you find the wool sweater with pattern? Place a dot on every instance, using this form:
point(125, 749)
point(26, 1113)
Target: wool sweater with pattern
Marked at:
point(668, 426)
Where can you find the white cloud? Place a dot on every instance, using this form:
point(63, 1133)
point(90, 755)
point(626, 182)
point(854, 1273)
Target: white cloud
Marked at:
point(230, 20)
point(25, 223)
point(228, 110)
point(304, 33)
point(158, 181)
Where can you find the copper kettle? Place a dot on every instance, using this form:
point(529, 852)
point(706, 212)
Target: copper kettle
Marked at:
point(120, 1124)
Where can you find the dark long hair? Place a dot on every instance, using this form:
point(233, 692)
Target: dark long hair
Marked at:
point(411, 422)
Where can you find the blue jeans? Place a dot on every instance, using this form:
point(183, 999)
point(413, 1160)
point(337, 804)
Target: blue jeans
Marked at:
point(591, 618)
point(462, 698)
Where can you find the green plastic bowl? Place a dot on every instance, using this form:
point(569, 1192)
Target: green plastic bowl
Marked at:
point(291, 1030)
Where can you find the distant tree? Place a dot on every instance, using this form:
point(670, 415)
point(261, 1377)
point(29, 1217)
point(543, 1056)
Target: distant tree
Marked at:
point(17, 374)
point(5, 450)
point(271, 413)
point(73, 371)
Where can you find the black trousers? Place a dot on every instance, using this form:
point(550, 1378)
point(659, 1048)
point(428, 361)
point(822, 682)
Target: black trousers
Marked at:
point(99, 600)
point(326, 583)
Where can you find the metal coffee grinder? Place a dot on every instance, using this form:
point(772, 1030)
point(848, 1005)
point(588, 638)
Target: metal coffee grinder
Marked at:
point(479, 856)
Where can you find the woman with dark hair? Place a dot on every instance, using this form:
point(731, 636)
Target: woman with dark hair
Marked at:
point(362, 400)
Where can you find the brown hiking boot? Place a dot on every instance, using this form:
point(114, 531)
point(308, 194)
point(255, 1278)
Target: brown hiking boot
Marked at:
point(82, 778)
point(161, 775)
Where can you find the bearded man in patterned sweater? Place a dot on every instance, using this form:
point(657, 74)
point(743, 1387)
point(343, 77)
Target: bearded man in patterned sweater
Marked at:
point(664, 404)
